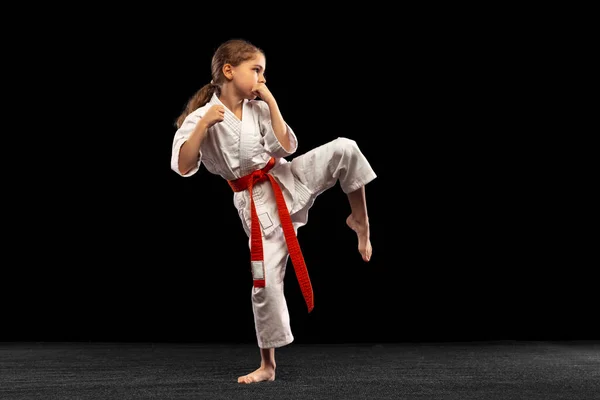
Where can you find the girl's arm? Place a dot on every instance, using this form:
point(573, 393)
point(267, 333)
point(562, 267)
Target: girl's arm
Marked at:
point(277, 121)
point(190, 150)
point(279, 125)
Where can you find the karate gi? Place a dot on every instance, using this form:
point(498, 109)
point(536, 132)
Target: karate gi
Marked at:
point(233, 149)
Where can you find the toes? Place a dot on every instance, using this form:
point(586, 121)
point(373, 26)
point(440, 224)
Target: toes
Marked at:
point(366, 253)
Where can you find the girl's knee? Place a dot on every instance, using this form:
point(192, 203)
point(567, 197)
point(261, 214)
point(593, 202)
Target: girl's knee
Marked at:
point(345, 142)
point(345, 146)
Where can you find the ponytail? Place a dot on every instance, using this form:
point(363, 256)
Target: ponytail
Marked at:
point(200, 98)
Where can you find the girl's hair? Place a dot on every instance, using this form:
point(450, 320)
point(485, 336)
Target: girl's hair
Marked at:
point(234, 52)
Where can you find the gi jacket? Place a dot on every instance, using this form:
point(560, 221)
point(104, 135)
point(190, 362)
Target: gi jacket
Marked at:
point(234, 148)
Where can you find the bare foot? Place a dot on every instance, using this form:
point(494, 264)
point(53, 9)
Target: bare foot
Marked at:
point(362, 231)
point(260, 375)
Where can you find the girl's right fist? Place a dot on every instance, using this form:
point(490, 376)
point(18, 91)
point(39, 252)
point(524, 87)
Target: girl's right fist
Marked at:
point(214, 114)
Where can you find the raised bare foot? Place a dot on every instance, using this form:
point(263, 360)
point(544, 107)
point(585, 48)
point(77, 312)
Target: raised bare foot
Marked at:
point(260, 375)
point(362, 231)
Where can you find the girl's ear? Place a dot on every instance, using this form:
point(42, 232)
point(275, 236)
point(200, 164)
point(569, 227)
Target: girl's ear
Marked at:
point(228, 71)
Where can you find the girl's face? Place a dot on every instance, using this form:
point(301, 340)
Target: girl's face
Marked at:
point(248, 74)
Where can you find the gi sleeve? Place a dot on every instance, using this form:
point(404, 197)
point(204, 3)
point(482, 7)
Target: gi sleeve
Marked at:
point(181, 136)
point(272, 145)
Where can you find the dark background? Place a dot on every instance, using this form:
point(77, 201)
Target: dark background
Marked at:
point(103, 242)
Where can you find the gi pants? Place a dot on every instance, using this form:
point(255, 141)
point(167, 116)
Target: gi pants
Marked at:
point(315, 171)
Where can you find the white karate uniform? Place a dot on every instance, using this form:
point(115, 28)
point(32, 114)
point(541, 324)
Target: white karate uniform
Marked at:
point(234, 148)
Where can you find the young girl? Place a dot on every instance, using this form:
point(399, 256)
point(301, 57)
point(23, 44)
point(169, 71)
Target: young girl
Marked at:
point(244, 140)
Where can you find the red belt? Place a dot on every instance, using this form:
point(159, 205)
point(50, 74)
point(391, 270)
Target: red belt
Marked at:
point(256, 246)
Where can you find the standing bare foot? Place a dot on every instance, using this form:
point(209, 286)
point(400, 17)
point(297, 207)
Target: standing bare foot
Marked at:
point(260, 375)
point(362, 231)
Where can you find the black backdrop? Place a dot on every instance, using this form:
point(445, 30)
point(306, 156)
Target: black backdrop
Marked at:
point(104, 242)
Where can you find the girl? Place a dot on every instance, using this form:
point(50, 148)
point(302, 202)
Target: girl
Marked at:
point(245, 140)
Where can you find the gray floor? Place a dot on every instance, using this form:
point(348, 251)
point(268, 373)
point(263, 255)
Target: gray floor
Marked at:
point(471, 370)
